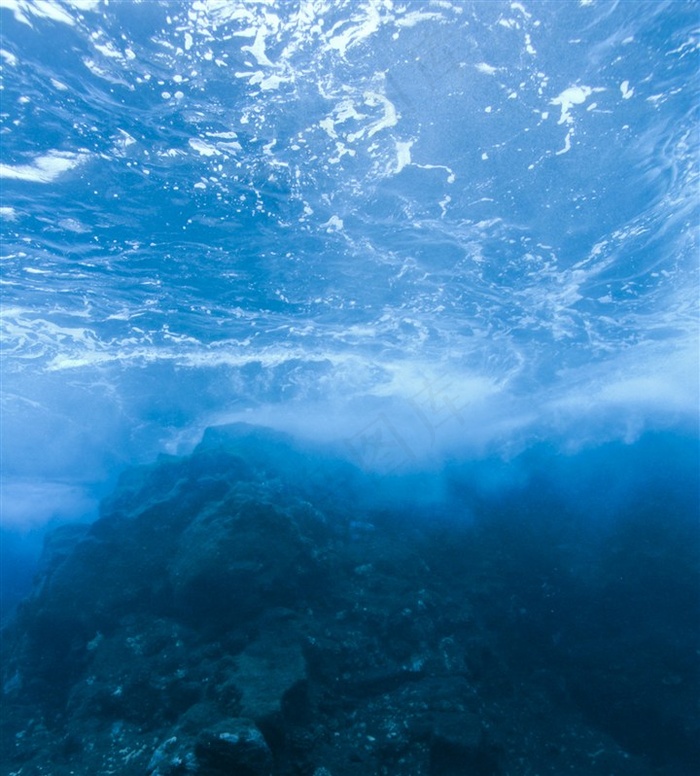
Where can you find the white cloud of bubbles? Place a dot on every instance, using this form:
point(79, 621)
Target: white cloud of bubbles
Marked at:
point(416, 415)
point(650, 386)
point(386, 418)
point(27, 504)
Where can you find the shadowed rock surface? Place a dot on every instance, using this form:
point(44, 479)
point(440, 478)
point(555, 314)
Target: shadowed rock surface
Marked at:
point(258, 608)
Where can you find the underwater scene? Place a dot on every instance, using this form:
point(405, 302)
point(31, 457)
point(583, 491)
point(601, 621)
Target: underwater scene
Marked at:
point(350, 388)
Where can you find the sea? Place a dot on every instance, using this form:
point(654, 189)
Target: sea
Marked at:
point(357, 337)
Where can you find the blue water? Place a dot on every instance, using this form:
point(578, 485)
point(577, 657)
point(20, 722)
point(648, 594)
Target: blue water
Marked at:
point(420, 230)
point(460, 227)
point(454, 242)
point(455, 228)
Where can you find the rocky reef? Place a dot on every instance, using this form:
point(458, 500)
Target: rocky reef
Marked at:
point(259, 608)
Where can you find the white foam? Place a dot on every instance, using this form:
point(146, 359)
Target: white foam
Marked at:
point(451, 176)
point(354, 33)
point(485, 68)
point(334, 224)
point(84, 5)
point(45, 168)
point(520, 7)
point(23, 9)
point(202, 147)
point(390, 118)
point(257, 49)
point(109, 50)
point(403, 154)
point(8, 56)
point(574, 95)
point(626, 91)
point(223, 135)
point(567, 144)
point(412, 18)
point(16, 7)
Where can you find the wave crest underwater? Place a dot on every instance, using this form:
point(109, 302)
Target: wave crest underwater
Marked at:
point(471, 224)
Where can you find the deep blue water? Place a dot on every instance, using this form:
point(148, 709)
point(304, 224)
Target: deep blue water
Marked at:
point(456, 242)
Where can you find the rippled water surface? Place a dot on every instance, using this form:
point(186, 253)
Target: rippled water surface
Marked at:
point(435, 225)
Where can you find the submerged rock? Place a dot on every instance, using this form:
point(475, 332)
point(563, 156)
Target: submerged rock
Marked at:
point(459, 745)
point(225, 615)
point(233, 746)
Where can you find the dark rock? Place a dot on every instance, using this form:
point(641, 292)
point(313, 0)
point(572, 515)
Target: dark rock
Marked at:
point(233, 746)
point(265, 671)
point(228, 569)
point(240, 612)
point(459, 746)
point(58, 545)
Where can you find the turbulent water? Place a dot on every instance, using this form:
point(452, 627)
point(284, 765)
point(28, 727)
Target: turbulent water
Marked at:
point(454, 242)
point(447, 224)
